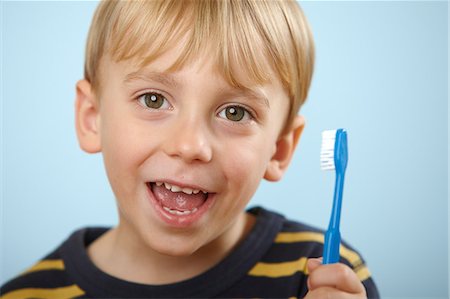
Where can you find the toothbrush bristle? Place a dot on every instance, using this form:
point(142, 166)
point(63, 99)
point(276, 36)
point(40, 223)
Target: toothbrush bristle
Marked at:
point(327, 150)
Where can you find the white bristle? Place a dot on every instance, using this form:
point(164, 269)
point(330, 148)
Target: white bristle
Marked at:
point(327, 150)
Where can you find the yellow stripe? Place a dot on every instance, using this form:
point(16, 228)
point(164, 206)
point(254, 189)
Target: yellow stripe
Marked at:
point(299, 237)
point(57, 293)
point(350, 256)
point(361, 270)
point(46, 265)
point(346, 253)
point(363, 273)
point(275, 270)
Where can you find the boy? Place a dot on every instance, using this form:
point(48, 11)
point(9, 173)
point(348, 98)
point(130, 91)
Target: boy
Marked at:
point(192, 103)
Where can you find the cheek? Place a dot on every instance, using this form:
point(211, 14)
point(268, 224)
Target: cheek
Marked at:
point(245, 166)
point(123, 151)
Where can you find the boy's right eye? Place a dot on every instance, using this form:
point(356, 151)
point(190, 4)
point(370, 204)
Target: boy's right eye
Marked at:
point(153, 100)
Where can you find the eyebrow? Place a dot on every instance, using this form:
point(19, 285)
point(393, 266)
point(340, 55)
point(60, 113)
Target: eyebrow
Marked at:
point(163, 78)
point(248, 92)
point(170, 81)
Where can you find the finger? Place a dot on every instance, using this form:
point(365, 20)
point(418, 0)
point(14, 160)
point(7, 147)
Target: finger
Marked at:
point(337, 276)
point(329, 292)
point(313, 263)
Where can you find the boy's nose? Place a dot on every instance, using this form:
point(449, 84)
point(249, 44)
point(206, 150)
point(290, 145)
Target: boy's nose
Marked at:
point(189, 142)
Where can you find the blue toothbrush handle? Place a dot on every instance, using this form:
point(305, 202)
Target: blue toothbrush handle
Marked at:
point(331, 248)
point(333, 236)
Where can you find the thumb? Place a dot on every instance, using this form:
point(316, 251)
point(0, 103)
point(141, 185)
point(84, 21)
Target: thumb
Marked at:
point(313, 263)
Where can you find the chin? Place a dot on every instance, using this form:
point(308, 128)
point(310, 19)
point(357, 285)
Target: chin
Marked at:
point(173, 246)
point(184, 252)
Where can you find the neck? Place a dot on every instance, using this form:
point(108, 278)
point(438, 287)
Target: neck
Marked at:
point(124, 255)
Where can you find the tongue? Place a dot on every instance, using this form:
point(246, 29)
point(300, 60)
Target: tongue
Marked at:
point(178, 200)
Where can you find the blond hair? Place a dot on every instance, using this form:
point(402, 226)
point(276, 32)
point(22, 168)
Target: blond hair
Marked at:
point(248, 34)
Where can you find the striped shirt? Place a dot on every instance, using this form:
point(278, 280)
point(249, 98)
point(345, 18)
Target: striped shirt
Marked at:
point(270, 262)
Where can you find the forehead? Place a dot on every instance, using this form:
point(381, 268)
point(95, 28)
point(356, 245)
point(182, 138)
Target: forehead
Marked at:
point(233, 73)
point(201, 74)
point(161, 70)
point(229, 73)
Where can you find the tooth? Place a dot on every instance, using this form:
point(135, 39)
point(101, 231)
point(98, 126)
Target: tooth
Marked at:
point(179, 213)
point(187, 190)
point(194, 210)
point(175, 188)
point(169, 210)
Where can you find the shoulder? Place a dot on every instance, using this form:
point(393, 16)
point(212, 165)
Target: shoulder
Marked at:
point(299, 239)
point(48, 278)
point(296, 242)
point(308, 241)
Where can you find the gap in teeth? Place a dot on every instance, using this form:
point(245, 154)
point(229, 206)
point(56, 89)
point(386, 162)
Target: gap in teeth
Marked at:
point(176, 212)
point(175, 188)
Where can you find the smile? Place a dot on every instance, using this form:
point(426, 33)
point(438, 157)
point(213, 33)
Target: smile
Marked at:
point(179, 205)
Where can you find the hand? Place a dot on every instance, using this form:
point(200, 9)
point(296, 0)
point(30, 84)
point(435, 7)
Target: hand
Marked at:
point(334, 281)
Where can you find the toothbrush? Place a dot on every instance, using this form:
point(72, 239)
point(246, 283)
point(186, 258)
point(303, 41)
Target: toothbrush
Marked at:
point(334, 156)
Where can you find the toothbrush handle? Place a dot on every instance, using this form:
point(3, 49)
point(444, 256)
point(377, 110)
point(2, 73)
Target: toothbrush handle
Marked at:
point(331, 247)
point(333, 236)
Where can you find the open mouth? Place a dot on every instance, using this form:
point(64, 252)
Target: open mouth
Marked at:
point(178, 201)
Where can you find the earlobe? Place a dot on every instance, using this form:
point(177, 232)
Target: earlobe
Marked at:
point(284, 151)
point(87, 118)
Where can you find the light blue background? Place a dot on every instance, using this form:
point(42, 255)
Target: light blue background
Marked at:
point(382, 73)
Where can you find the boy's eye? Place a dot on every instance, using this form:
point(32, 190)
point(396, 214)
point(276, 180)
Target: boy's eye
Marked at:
point(235, 113)
point(153, 100)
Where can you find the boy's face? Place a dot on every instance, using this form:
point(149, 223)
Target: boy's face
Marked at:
point(185, 129)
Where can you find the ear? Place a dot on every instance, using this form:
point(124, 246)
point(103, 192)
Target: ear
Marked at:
point(87, 118)
point(284, 151)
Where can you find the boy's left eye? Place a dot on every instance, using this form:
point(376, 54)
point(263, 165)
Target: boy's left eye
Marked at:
point(235, 113)
point(153, 100)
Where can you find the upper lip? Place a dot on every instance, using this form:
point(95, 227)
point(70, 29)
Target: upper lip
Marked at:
point(183, 185)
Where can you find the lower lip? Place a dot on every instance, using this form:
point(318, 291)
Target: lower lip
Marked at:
point(180, 221)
